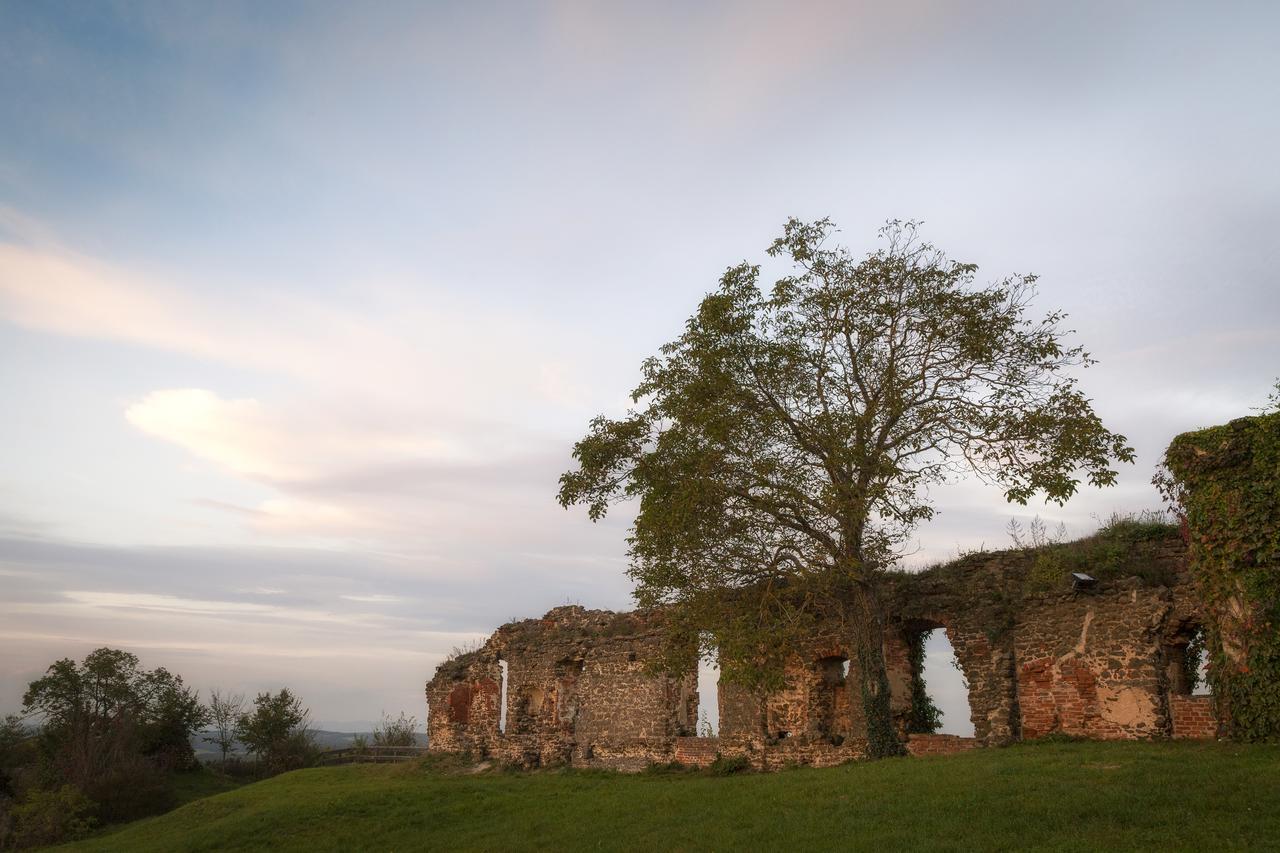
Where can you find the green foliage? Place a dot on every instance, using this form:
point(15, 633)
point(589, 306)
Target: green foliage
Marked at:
point(129, 788)
point(926, 717)
point(276, 732)
point(1193, 660)
point(729, 765)
point(1226, 482)
point(782, 447)
point(704, 724)
point(400, 731)
point(1071, 797)
point(1053, 739)
point(111, 732)
point(668, 768)
point(52, 817)
point(1125, 546)
point(18, 750)
point(108, 705)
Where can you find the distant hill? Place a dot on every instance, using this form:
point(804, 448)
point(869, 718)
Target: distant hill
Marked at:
point(324, 738)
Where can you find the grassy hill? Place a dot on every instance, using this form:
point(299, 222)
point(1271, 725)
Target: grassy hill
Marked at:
point(1061, 796)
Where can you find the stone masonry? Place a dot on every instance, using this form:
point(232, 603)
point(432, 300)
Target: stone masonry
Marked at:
point(580, 687)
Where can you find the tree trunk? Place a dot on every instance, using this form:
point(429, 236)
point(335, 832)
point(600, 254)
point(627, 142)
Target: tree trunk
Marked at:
point(872, 679)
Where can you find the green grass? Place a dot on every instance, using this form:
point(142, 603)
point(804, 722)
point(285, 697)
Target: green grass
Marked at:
point(1060, 796)
point(192, 785)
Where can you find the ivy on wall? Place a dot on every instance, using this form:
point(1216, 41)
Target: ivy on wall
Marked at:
point(926, 717)
point(1226, 480)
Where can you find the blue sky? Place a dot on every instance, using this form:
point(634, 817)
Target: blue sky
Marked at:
point(302, 305)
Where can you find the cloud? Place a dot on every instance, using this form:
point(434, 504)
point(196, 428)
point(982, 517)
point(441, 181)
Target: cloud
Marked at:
point(350, 630)
point(396, 421)
point(252, 440)
point(383, 343)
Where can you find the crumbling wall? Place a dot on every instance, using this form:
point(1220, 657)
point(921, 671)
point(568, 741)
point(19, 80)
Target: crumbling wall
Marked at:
point(1099, 661)
point(1091, 665)
point(578, 690)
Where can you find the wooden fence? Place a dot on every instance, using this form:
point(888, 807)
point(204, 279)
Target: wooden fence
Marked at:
point(371, 754)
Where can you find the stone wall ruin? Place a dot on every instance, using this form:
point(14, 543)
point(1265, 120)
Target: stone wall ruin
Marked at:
point(1103, 662)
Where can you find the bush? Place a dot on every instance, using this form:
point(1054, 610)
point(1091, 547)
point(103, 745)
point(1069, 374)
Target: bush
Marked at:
point(668, 768)
point(132, 788)
point(52, 817)
point(398, 732)
point(729, 765)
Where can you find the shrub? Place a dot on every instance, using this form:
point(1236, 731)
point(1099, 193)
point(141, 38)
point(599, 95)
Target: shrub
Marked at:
point(52, 817)
point(667, 768)
point(398, 732)
point(131, 788)
point(729, 765)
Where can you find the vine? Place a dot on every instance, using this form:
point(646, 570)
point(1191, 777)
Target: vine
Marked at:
point(1225, 482)
point(926, 717)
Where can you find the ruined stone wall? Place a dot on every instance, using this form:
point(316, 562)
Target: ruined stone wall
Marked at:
point(1101, 662)
point(577, 691)
point(1091, 665)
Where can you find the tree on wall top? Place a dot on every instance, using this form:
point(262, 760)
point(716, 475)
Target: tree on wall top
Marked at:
point(782, 447)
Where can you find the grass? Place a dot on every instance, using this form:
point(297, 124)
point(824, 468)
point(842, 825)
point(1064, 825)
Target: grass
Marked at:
point(189, 786)
point(1125, 546)
point(1059, 796)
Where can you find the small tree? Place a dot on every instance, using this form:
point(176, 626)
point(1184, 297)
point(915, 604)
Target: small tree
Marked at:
point(276, 731)
point(782, 448)
point(225, 710)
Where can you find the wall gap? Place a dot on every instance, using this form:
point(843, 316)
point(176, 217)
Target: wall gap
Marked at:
point(1186, 663)
point(944, 685)
point(709, 694)
point(502, 699)
point(830, 698)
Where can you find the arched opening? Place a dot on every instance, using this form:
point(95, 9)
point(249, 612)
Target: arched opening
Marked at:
point(502, 698)
point(709, 695)
point(1186, 664)
point(939, 691)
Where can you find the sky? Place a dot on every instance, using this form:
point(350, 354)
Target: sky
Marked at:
point(302, 306)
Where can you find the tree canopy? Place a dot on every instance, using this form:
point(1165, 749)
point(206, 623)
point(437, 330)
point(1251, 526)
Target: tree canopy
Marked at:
point(108, 697)
point(782, 448)
point(276, 730)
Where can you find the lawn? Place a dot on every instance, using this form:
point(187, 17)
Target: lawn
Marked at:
point(1060, 796)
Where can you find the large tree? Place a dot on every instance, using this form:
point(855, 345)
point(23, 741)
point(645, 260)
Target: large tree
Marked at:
point(107, 706)
point(782, 448)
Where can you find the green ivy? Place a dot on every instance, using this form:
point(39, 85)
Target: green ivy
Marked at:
point(1227, 482)
point(926, 717)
